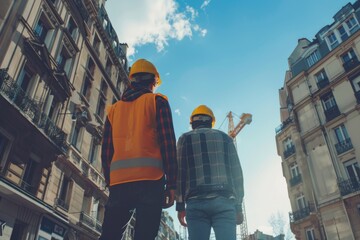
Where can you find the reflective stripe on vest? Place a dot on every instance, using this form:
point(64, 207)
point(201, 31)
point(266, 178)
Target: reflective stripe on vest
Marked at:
point(135, 162)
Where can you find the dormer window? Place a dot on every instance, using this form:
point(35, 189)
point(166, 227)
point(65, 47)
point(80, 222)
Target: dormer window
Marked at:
point(352, 25)
point(343, 33)
point(313, 58)
point(333, 40)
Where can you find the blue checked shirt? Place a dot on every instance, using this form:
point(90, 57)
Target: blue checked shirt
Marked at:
point(207, 157)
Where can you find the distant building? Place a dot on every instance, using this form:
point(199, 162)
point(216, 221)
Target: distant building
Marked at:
point(166, 229)
point(258, 235)
point(60, 64)
point(319, 137)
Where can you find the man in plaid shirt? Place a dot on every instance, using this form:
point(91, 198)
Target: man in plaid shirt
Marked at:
point(210, 180)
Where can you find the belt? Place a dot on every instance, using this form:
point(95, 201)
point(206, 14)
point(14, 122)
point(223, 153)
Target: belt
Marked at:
point(220, 189)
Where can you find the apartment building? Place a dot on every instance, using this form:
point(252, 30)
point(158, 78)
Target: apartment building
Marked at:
point(319, 137)
point(167, 229)
point(258, 235)
point(61, 64)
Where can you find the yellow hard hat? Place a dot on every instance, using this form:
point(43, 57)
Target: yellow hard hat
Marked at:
point(203, 110)
point(144, 66)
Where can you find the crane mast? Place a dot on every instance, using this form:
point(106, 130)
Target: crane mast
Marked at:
point(233, 131)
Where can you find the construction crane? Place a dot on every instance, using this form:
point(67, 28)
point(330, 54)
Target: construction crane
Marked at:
point(233, 131)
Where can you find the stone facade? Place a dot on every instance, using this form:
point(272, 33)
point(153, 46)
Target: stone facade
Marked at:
point(319, 138)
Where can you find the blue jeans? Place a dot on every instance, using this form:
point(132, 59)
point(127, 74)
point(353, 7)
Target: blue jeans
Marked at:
point(218, 213)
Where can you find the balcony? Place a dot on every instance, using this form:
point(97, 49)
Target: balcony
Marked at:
point(289, 151)
point(323, 83)
point(351, 64)
point(349, 186)
point(31, 109)
point(295, 180)
point(283, 125)
point(332, 113)
point(343, 146)
point(301, 214)
point(90, 222)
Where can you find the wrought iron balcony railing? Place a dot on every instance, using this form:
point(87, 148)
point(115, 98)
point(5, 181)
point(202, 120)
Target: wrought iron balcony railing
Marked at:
point(323, 83)
point(289, 151)
point(352, 63)
point(332, 113)
point(283, 125)
point(343, 146)
point(301, 214)
point(295, 180)
point(349, 186)
point(31, 109)
point(90, 222)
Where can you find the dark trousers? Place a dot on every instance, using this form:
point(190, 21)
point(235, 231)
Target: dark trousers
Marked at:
point(146, 197)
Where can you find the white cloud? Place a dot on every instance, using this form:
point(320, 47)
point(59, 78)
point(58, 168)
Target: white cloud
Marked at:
point(185, 98)
point(140, 22)
point(177, 111)
point(205, 4)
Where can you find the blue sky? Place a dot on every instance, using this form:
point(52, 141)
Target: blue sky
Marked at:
point(232, 56)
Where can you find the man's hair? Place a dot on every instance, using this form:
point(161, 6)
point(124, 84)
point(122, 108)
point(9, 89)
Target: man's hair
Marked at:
point(143, 79)
point(201, 121)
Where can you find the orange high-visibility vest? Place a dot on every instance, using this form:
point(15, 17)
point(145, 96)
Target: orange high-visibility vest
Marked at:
point(137, 153)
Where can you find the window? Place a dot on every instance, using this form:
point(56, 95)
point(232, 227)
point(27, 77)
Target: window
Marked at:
point(329, 101)
point(352, 170)
point(73, 29)
point(333, 40)
point(301, 203)
point(52, 107)
point(310, 234)
point(348, 56)
point(108, 67)
point(331, 110)
point(313, 58)
point(76, 139)
point(287, 143)
point(25, 79)
point(294, 170)
point(321, 79)
point(343, 140)
point(96, 43)
point(356, 84)
point(64, 193)
point(93, 151)
point(352, 24)
point(100, 110)
point(29, 176)
point(343, 33)
point(91, 67)
point(341, 133)
point(44, 31)
point(64, 61)
point(86, 88)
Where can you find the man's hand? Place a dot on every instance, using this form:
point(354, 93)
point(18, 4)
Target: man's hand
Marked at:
point(169, 197)
point(239, 218)
point(181, 217)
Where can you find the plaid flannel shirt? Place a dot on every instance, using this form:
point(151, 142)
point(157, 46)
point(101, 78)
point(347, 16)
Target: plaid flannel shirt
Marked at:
point(207, 157)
